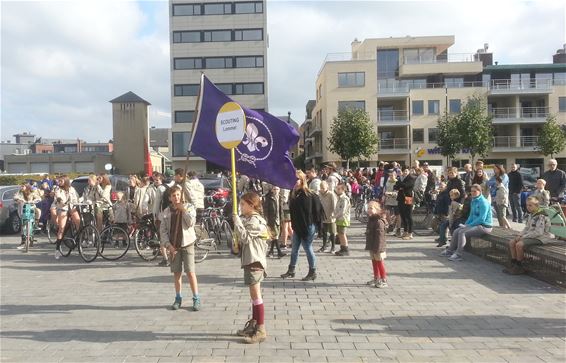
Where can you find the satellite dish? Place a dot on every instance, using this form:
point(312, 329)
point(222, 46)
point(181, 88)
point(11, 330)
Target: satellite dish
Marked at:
point(108, 167)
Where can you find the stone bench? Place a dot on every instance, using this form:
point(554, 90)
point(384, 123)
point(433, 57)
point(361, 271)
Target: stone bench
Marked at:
point(546, 262)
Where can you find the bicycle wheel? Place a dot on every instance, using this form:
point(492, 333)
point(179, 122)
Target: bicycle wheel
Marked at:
point(51, 231)
point(226, 237)
point(28, 233)
point(146, 243)
point(114, 243)
point(210, 229)
point(88, 241)
point(202, 248)
point(66, 246)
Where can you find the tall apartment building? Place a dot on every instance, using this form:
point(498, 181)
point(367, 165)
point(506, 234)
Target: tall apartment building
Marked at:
point(227, 41)
point(405, 84)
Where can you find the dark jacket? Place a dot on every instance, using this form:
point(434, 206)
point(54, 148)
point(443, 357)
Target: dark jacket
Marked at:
point(456, 183)
point(442, 203)
point(404, 188)
point(305, 210)
point(430, 182)
point(555, 182)
point(271, 210)
point(468, 181)
point(375, 234)
point(515, 182)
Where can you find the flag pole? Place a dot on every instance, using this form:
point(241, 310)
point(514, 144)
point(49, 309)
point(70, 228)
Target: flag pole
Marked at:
point(235, 246)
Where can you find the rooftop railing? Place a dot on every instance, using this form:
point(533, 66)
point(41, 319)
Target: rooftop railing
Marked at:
point(443, 58)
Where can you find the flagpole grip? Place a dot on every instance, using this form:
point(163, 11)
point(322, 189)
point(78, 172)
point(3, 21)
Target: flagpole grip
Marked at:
point(235, 246)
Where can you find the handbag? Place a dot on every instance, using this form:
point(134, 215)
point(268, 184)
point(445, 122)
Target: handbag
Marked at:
point(408, 200)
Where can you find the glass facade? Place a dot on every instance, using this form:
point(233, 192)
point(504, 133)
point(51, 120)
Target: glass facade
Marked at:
point(454, 106)
point(184, 116)
point(351, 79)
point(351, 105)
point(180, 142)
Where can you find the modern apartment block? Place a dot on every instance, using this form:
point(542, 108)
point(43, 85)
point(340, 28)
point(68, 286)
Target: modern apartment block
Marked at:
point(406, 84)
point(227, 41)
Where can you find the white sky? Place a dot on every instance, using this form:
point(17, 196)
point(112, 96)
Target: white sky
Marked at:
point(62, 62)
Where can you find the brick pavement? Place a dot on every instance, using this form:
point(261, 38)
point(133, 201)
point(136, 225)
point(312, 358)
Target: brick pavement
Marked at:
point(434, 310)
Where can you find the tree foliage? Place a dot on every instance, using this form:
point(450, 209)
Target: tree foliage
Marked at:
point(352, 135)
point(552, 138)
point(469, 130)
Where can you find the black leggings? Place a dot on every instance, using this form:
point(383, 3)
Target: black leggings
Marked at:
point(406, 212)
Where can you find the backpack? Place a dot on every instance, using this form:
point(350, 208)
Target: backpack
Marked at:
point(165, 202)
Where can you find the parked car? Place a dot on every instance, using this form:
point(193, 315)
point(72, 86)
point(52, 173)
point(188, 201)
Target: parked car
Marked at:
point(9, 219)
point(119, 184)
point(219, 191)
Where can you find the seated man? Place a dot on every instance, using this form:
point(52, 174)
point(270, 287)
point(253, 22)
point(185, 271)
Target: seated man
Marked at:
point(536, 226)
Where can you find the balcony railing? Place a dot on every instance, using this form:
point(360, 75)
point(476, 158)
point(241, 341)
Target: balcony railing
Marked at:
point(393, 144)
point(515, 141)
point(519, 112)
point(521, 85)
point(392, 115)
point(402, 87)
point(445, 58)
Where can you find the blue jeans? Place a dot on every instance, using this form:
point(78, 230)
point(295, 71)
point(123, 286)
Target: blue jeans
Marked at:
point(442, 230)
point(515, 200)
point(307, 246)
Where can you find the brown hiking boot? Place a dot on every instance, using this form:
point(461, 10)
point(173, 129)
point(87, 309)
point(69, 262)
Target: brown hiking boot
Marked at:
point(258, 336)
point(248, 330)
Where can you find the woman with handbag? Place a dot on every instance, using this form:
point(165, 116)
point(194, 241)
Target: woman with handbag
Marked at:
point(404, 187)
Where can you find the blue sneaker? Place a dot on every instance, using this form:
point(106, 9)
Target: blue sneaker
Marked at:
point(177, 304)
point(196, 303)
point(455, 257)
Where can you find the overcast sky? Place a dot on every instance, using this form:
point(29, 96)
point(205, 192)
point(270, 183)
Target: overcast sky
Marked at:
point(62, 62)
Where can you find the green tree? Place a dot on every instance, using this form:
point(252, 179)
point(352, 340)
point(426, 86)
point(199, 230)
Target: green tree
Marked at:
point(448, 136)
point(299, 161)
point(552, 138)
point(352, 135)
point(474, 128)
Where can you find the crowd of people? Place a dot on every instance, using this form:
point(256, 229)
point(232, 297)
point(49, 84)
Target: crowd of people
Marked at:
point(320, 204)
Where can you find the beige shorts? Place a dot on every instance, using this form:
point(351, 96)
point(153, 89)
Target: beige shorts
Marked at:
point(341, 229)
point(184, 259)
point(253, 275)
point(378, 256)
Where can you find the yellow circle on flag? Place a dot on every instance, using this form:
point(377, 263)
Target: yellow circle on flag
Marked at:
point(230, 125)
point(420, 152)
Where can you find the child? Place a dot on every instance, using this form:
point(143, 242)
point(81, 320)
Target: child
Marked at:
point(271, 208)
point(536, 226)
point(178, 236)
point(376, 244)
point(542, 195)
point(122, 212)
point(328, 201)
point(342, 215)
point(501, 202)
point(252, 232)
point(454, 212)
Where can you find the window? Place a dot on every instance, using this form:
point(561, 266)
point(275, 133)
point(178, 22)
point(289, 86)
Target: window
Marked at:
point(560, 78)
point(248, 34)
point(418, 135)
point(432, 135)
point(454, 106)
point(249, 88)
point(217, 9)
point(186, 9)
point(418, 107)
point(418, 55)
point(351, 79)
point(187, 63)
point(217, 36)
point(226, 88)
point(454, 82)
point(248, 8)
point(351, 105)
point(186, 37)
point(249, 62)
point(184, 116)
point(180, 142)
point(387, 63)
point(433, 107)
point(562, 104)
point(186, 89)
point(220, 62)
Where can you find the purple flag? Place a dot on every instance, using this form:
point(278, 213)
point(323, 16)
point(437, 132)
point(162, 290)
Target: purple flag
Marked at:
point(263, 152)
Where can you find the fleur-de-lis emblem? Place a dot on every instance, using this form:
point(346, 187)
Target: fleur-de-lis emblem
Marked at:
point(252, 139)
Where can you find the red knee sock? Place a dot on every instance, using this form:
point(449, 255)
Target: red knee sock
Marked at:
point(258, 311)
point(375, 268)
point(381, 267)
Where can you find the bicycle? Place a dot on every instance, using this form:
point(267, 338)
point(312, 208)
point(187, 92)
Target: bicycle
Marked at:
point(51, 230)
point(28, 224)
point(86, 238)
point(114, 240)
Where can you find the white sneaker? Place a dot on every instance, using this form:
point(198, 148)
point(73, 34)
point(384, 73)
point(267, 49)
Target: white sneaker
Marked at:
point(57, 254)
point(21, 247)
point(372, 282)
point(455, 257)
point(446, 253)
point(381, 284)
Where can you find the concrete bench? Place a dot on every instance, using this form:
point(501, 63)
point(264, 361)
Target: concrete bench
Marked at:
point(546, 262)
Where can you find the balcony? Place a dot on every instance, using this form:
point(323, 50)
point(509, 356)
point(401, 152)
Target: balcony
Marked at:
point(392, 118)
point(513, 115)
point(512, 87)
point(514, 143)
point(314, 130)
point(450, 64)
point(393, 146)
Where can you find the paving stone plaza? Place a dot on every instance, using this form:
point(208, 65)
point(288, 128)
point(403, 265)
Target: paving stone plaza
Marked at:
point(434, 310)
